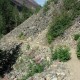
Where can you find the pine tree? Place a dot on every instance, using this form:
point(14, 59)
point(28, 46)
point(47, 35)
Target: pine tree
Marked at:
point(16, 17)
point(2, 26)
point(11, 17)
point(26, 13)
point(6, 9)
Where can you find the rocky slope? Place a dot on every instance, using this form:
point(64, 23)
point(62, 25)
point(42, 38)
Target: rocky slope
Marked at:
point(30, 36)
point(30, 28)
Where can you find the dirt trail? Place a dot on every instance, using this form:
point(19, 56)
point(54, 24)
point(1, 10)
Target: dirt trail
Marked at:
point(74, 65)
point(68, 40)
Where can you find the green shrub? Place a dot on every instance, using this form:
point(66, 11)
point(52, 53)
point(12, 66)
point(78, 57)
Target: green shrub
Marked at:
point(21, 35)
point(34, 68)
point(28, 47)
point(55, 1)
point(49, 38)
point(46, 6)
point(64, 21)
point(76, 9)
point(58, 28)
point(76, 36)
point(73, 5)
point(61, 54)
point(78, 49)
point(37, 10)
point(69, 4)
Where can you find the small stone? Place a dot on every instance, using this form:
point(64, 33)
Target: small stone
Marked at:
point(63, 74)
point(54, 78)
point(15, 79)
point(38, 59)
point(48, 59)
point(50, 77)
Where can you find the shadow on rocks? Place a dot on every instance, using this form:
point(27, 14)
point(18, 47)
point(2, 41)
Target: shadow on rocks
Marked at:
point(8, 59)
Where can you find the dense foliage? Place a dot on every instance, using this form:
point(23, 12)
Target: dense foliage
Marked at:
point(76, 36)
point(61, 54)
point(10, 16)
point(58, 28)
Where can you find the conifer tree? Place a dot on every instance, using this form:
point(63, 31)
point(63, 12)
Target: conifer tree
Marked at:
point(16, 16)
point(2, 26)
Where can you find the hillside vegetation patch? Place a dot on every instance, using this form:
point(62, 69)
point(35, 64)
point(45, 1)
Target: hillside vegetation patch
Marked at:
point(76, 36)
point(47, 5)
point(61, 53)
point(21, 36)
point(78, 48)
point(64, 20)
point(34, 68)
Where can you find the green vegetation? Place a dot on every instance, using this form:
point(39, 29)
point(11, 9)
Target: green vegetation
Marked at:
point(56, 29)
point(26, 13)
point(78, 49)
point(46, 6)
point(73, 5)
point(69, 4)
point(34, 68)
point(37, 10)
point(61, 54)
point(76, 36)
point(21, 35)
point(28, 47)
point(64, 20)
point(55, 1)
point(10, 16)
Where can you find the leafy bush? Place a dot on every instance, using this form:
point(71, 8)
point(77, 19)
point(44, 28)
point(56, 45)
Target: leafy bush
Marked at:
point(69, 4)
point(46, 6)
point(55, 1)
point(76, 9)
point(37, 10)
point(78, 49)
point(61, 54)
point(76, 36)
point(21, 35)
point(28, 47)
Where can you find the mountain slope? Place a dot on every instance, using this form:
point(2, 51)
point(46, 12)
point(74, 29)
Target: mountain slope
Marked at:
point(34, 60)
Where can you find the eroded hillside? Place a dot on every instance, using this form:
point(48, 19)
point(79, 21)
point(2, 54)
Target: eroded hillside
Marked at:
point(26, 53)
